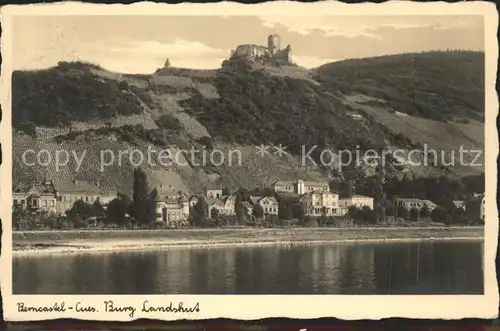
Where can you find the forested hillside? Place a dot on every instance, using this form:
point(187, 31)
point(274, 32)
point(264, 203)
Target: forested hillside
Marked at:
point(433, 85)
point(354, 104)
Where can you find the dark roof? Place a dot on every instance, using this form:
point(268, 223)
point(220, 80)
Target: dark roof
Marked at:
point(80, 186)
point(211, 201)
point(34, 188)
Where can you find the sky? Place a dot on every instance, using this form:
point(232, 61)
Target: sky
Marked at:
point(140, 44)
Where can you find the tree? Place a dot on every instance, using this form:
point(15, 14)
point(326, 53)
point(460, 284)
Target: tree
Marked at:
point(414, 214)
point(352, 212)
point(298, 211)
point(346, 189)
point(242, 195)
point(425, 212)
point(98, 209)
point(402, 212)
point(335, 185)
point(167, 63)
point(200, 212)
point(458, 214)
point(379, 195)
point(440, 215)
point(151, 206)
point(50, 222)
point(117, 209)
point(79, 222)
point(323, 219)
point(140, 197)
point(80, 209)
point(364, 215)
point(368, 215)
point(214, 213)
point(258, 211)
point(18, 212)
point(285, 210)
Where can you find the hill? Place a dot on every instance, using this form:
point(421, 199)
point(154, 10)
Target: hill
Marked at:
point(342, 105)
point(433, 85)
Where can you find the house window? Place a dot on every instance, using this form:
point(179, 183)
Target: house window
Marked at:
point(59, 198)
point(23, 202)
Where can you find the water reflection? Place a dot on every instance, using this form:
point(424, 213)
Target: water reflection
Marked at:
point(416, 268)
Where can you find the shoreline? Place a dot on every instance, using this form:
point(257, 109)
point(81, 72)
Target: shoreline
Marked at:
point(101, 241)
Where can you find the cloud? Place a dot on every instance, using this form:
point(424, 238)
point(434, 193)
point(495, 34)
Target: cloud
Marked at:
point(367, 26)
point(311, 62)
point(127, 56)
point(305, 25)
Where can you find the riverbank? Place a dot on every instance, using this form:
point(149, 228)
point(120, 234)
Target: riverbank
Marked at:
point(80, 241)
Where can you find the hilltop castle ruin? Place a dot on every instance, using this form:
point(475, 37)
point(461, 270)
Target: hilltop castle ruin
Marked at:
point(270, 54)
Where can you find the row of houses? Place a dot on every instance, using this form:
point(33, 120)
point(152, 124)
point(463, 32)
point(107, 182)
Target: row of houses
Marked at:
point(173, 206)
point(474, 207)
point(315, 197)
point(57, 196)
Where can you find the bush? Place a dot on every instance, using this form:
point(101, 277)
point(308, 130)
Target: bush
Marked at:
point(79, 223)
point(49, 222)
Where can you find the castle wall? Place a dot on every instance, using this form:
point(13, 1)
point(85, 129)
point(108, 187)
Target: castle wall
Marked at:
point(272, 50)
point(250, 51)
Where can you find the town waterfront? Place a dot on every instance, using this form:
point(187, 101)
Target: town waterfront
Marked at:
point(79, 241)
point(426, 267)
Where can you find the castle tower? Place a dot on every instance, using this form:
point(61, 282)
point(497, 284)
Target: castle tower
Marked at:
point(273, 44)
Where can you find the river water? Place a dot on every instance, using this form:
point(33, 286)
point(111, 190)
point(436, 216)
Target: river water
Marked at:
point(385, 268)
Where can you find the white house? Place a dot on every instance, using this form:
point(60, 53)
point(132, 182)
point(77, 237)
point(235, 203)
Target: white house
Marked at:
point(415, 203)
point(172, 207)
point(301, 187)
point(36, 198)
point(170, 211)
point(68, 192)
point(229, 205)
point(358, 201)
point(320, 203)
point(268, 204)
point(214, 204)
